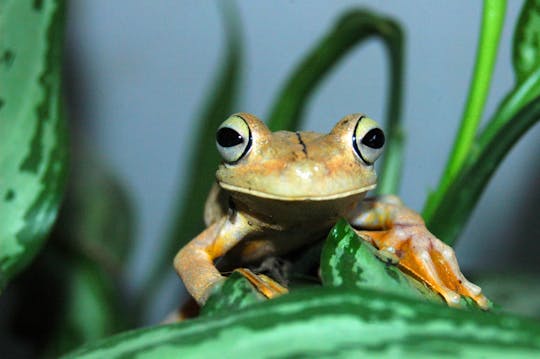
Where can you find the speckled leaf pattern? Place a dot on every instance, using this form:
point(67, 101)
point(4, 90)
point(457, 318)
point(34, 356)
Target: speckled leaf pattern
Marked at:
point(349, 261)
point(32, 129)
point(332, 323)
point(526, 51)
point(235, 293)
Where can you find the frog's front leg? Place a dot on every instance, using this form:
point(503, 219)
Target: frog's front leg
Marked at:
point(194, 263)
point(401, 233)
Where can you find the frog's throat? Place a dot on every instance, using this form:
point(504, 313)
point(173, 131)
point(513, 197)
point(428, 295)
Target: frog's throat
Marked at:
point(299, 197)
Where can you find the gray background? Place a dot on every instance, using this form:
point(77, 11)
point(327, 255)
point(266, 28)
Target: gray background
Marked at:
point(141, 71)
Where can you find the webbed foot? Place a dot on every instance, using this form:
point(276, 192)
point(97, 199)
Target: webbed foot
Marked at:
point(430, 260)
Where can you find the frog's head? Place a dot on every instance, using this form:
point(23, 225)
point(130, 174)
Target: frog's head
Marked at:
point(296, 166)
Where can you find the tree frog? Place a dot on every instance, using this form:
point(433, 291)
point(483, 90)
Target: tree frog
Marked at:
point(277, 191)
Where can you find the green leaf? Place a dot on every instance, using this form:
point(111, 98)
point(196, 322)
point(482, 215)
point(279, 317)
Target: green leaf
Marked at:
point(235, 293)
point(446, 212)
point(486, 55)
point(97, 216)
point(93, 239)
point(80, 268)
point(92, 307)
point(526, 49)
point(463, 194)
point(348, 260)
point(332, 322)
point(33, 144)
point(187, 219)
point(350, 30)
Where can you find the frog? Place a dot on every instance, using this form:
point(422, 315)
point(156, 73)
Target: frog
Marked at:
point(276, 192)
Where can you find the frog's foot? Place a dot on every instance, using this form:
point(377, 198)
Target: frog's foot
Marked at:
point(264, 284)
point(428, 259)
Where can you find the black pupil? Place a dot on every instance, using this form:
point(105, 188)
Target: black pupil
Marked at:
point(374, 138)
point(227, 137)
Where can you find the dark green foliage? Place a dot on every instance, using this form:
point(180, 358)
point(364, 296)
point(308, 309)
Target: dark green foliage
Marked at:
point(78, 276)
point(92, 242)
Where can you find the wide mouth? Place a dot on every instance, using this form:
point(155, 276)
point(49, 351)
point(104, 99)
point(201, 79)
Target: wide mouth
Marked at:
point(299, 197)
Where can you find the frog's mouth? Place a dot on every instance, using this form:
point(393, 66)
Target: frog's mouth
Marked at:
point(297, 197)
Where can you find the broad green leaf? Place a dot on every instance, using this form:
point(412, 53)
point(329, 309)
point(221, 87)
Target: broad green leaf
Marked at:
point(187, 218)
point(349, 261)
point(526, 46)
point(463, 194)
point(32, 129)
point(350, 30)
point(332, 322)
point(235, 293)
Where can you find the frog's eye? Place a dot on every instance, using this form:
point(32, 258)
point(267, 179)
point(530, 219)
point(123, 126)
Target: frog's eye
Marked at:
point(368, 140)
point(233, 139)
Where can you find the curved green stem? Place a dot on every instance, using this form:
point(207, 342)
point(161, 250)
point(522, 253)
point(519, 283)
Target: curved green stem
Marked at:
point(392, 162)
point(451, 216)
point(492, 23)
point(523, 94)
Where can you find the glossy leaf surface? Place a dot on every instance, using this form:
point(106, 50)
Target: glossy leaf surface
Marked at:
point(332, 322)
point(349, 261)
point(32, 129)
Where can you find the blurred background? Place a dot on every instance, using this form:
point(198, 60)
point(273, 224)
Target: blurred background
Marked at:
point(138, 75)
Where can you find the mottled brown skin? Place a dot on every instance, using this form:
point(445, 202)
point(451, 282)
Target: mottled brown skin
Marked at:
point(289, 189)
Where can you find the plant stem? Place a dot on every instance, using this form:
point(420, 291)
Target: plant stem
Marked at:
point(392, 160)
point(451, 216)
point(492, 22)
